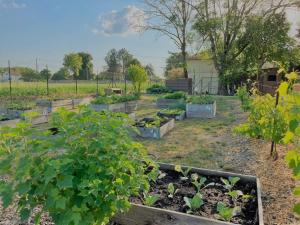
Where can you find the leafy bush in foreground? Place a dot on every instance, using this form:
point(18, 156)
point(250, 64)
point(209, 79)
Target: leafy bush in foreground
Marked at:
point(83, 175)
point(115, 99)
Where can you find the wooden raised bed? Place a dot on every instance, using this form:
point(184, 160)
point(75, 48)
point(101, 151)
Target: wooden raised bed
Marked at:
point(126, 107)
point(82, 101)
point(54, 105)
point(177, 117)
point(156, 132)
point(131, 106)
point(201, 110)
point(166, 103)
point(144, 215)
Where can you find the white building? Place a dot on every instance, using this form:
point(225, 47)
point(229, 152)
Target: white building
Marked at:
point(204, 74)
point(14, 76)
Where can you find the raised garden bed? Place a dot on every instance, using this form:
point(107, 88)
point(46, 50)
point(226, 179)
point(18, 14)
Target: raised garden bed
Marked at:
point(55, 104)
point(176, 114)
point(82, 101)
point(154, 127)
point(201, 107)
point(171, 99)
point(166, 209)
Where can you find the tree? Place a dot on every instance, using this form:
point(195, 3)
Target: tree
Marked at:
point(174, 61)
point(150, 71)
point(45, 74)
point(62, 74)
point(137, 75)
point(173, 19)
point(73, 63)
point(223, 22)
point(28, 74)
point(86, 70)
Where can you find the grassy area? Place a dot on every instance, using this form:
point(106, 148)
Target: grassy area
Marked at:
point(194, 142)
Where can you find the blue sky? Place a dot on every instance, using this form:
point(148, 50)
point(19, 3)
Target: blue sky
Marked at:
point(48, 29)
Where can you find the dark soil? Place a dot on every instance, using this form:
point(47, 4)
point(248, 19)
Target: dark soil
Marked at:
point(4, 119)
point(211, 195)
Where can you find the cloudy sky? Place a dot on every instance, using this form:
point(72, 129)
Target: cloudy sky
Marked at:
point(48, 29)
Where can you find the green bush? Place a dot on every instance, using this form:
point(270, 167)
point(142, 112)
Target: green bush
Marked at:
point(202, 99)
point(244, 96)
point(83, 175)
point(115, 99)
point(158, 89)
point(138, 76)
point(175, 95)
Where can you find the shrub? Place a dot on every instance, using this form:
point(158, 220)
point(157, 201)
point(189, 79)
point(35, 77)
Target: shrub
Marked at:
point(175, 95)
point(202, 99)
point(83, 175)
point(244, 96)
point(158, 89)
point(114, 99)
point(137, 75)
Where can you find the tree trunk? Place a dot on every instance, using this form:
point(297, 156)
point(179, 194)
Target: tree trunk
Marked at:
point(183, 52)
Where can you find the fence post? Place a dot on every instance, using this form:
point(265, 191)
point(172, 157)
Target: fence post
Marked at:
point(273, 144)
point(9, 78)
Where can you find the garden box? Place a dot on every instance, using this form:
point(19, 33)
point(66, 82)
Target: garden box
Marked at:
point(156, 132)
point(117, 107)
point(131, 106)
point(201, 110)
point(144, 215)
point(166, 103)
point(177, 117)
point(82, 101)
point(54, 105)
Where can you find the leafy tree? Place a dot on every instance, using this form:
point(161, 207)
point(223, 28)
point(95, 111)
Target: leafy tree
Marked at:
point(73, 62)
point(29, 74)
point(112, 60)
point(173, 19)
point(174, 61)
point(62, 74)
point(137, 75)
point(86, 70)
point(150, 71)
point(45, 74)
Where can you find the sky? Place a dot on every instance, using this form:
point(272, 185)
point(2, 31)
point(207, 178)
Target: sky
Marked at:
point(48, 29)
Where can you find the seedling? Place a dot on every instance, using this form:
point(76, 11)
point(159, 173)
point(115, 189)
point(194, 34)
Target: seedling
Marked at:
point(230, 183)
point(225, 212)
point(153, 175)
point(235, 194)
point(199, 184)
point(193, 203)
point(185, 173)
point(150, 200)
point(172, 191)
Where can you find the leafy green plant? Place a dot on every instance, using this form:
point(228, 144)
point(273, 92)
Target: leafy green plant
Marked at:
point(83, 176)
point(138, 76)
point(185, 172)
point(202, 99)
point(230, 183)
point(158, 89)
point(244, 96)
point(194, 203)
point(199, 183)
point(155, 121)
point(171, 111)
point(172, 191)
point(150, 200)
point(175, 95)
point(113, 99)
point(225, 212)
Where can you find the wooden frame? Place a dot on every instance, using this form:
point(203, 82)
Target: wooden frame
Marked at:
point(144, 215)
point(201, 110)
point(156, 132)
point(177, 117)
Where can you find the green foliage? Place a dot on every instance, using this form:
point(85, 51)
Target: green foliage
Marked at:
point(138, 76)
point(86, 69)
point(28, 74)
point(83, 175)
point(198, 183)
point(73, 62)
point(202, 99)
point(62, 74)
point(194, 203)
point(21, 105)
point(184, 172)
point(225, 212)
point(156, 121)
point(230, 183)
point(150, 200)
point(244, 96)
point(175, 95)
point(175, 60)
point(172, 191)
point(171, 111)
point(45, 74)
point(115, 99)
point(158, 89)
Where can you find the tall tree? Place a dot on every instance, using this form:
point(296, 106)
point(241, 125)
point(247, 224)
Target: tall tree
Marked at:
point(222, 22)
point(86, 70)
point(28, 74)
point(150, 71)
point(45, 74)
point(173, 19)
point(62, 74)
point(174, 61)
point(73, 62)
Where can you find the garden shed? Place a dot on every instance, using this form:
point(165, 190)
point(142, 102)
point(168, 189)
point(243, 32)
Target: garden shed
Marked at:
point(269, 79)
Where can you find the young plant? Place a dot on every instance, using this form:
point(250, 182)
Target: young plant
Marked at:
point(225, 212)
point(172, 191)
point(150, 200)
point(185, 173)
point(230, 183)
point(199, 183)
point(193, 203)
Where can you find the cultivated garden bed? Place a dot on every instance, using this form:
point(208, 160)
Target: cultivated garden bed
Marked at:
point(176, 114)
point(171, 99)
point(116, 103)
point(53, 105)
point(192, 196)
point(201, 107)
point(155, 127)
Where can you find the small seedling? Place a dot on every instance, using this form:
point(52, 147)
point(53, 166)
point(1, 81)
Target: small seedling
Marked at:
point(235, 194)
point(199, 184)
point(193, 203)
point(161, 175)
point(153, 175)
point(185, 173)
point(172, 191)
point(150, 200)
point(230, 183)
point(225, 212)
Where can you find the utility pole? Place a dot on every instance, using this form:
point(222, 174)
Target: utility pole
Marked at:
point(9, 78)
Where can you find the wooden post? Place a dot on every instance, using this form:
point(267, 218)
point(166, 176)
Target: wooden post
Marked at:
point(273, 152)
point(9, 78)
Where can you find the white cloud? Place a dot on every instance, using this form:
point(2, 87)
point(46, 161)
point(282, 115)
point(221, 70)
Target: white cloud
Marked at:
point(11, 4)
point(127, 21)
